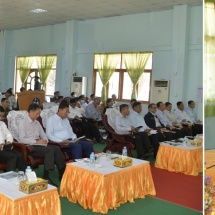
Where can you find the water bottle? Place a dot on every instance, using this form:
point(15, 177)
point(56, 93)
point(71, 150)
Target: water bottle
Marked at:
point(28, 169)
point(92, 159)
point(124, 153)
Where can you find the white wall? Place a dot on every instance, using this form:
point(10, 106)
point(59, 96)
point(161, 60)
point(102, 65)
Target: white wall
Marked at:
point(174, 36)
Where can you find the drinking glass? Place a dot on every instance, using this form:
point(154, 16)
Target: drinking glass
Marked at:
point(97, 158)
point(20, 177)
point(108, 155)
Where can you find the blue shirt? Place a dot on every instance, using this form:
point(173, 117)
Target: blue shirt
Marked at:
point(137, 120)
point(162, 117)
point(123, 124)
point(191, 114)
point(92, 112)
point(58, 129)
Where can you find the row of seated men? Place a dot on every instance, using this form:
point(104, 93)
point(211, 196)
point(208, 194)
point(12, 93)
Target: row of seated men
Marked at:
point(159, 117)
point(31, 132)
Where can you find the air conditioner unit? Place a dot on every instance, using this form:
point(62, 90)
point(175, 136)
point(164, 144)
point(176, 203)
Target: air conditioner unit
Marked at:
point(160, 91)
point(79, 85)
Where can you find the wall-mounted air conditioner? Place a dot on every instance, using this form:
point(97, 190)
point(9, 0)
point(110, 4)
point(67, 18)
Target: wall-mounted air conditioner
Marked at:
point(160, 91)
point(79, 85)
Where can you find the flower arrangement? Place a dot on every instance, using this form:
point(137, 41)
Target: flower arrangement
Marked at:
point(209, 195)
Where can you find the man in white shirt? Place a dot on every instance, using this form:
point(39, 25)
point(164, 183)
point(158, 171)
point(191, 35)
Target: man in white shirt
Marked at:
point(183, 118)
point(31, 133)
point(153, 122)
point(171, 117)
point(12, 158)
point(58, 129)
point(124, 126)
point(165, 121)
point(190, 111)
point(137, 120)
point(89, 129)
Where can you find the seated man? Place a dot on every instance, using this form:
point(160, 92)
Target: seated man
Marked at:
point(137, 120)
point(124, 126)
point(171, 117)
point(184, 119)
point(93, 110)
point(153, 122)
point(11, 98)
point(6, 105)
point(58, 129)
point(89, 129)
point(109, 104)
point(56, 95)
point(31, 132)
point(190, 112)
point(165, 121)
point(12, 158)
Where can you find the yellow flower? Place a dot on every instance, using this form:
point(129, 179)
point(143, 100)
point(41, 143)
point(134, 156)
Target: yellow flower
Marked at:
point(206, 195)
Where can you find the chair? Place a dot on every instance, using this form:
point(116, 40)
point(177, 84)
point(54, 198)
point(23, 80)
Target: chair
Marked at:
point(14, 118)
point(45, 114)
point(118, 141)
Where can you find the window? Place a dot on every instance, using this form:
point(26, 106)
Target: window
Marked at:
point(29, 83)
point(121, 85)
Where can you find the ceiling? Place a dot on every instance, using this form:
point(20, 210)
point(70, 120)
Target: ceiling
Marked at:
point(15, 14)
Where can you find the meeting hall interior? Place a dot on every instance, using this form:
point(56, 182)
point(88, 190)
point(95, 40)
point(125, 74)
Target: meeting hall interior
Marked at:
point(103, 101)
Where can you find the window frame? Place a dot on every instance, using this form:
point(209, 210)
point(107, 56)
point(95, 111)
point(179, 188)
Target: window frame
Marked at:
point(121, 77)
point(31, 71)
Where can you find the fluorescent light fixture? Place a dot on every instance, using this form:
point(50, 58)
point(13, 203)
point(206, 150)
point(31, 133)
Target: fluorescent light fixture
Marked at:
point(38, 10)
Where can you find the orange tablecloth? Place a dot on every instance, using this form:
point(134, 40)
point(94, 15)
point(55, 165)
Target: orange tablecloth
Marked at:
point(41, 203)
point(100, 192)
point(176, 159)
point(210, 161)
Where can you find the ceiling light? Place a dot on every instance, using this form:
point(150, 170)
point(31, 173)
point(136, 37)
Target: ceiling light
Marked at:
point(38, 10)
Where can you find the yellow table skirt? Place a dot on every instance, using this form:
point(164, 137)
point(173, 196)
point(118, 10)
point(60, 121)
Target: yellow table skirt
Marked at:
point(41, 203)
point(100, 192)
point(176, 159)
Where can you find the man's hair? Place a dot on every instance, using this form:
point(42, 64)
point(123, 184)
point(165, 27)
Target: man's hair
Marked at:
point(190, 102)
point(3, 99)
point(63, 105)
point(167, 104)
point(92, 95)
point(2, 109)
point(81, 97)
point(33, 107)
point(159, 104)
point(133, 100)
point(109, 100)
point(97, 99)
point(73, 100)
point(122, 106)
point(72, 93)
point(150, 105)
point(56, 92)
point(22, 89)
point(60, 97)
point(135, 104)
point(9, 91)
point(179, 103)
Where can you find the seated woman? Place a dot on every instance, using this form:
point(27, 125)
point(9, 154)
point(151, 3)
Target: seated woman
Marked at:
point(11, 157)
point(109, 104)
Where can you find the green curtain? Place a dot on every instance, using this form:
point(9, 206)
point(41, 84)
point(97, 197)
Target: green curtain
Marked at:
point(106, 65)
point(209, 59)
point(45, 64)
point(24, 65)
point(135, 64)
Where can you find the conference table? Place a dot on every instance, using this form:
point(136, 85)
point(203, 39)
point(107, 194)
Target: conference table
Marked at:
point(180, 158)
point(15, 202)
point(104, 186)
